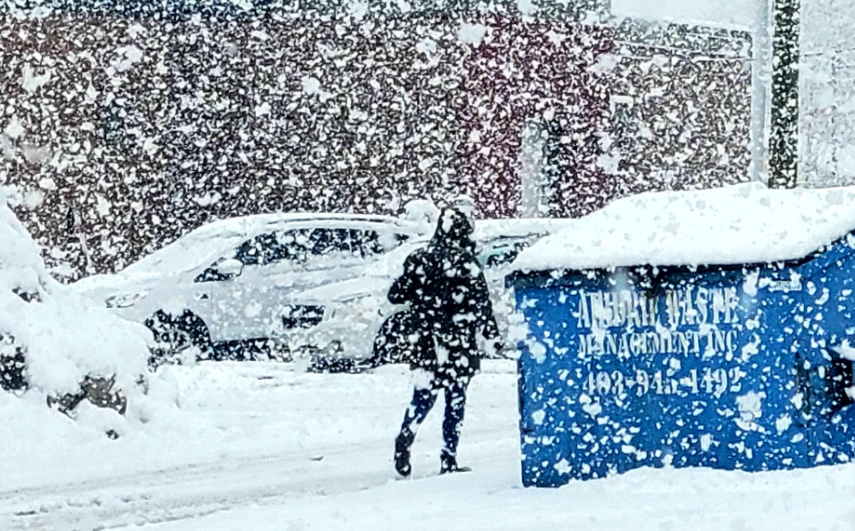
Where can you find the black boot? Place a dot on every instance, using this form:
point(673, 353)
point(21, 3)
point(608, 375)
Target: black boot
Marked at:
point(448, 464)
point(402, 452)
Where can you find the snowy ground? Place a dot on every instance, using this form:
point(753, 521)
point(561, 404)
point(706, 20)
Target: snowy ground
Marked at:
point(260, 447)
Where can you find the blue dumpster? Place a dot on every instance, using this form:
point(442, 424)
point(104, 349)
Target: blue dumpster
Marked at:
point(630, 363)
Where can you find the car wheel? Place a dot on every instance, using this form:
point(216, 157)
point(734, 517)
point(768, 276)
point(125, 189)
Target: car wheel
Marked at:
point(12, 370)
point(179, 340)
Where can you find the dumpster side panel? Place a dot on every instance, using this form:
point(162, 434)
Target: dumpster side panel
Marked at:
point(692, 373)
point(544, 420)
point(827, 315)
point(783, 440)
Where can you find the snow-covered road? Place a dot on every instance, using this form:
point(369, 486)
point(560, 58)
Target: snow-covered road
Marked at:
point(259, 447)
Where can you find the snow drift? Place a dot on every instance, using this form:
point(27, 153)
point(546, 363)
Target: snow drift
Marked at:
point(61, 340)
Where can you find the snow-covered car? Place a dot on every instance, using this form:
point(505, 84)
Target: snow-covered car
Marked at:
point(246, 288)
point(356, 309)
point(54, 344)
point(498, 242)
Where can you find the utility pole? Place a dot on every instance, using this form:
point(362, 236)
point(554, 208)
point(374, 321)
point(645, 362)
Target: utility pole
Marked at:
point(784, 161)
point(760, 89)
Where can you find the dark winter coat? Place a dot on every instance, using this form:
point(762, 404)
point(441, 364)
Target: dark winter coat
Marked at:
point(449, 299)
point(400, 339)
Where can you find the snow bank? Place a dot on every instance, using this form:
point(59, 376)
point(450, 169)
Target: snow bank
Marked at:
point(20, 259)
point(747, 223)
point(63, 340)
point(66, 341)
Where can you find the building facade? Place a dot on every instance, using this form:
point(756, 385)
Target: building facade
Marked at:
point(128, 124)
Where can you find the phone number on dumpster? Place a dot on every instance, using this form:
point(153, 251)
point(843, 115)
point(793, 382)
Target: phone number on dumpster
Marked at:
point(710, 381)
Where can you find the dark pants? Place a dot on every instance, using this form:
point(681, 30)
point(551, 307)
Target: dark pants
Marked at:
point(422, 403)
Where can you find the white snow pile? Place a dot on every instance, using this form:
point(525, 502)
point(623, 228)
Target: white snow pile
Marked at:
point(62, 339)
point(742, 224)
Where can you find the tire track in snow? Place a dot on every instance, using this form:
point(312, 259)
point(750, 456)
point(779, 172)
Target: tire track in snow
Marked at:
point(197, 490)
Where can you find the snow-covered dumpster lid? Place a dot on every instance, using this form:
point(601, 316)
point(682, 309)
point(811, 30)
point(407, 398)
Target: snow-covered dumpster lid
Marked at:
point(740, 224)
point(720, 355)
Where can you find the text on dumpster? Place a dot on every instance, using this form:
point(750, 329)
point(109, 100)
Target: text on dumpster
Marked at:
point(692, 321)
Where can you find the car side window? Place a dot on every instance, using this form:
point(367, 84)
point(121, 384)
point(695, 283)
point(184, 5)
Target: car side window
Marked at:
point(292, 245)
point(367, 243)
point(255, 251)
point(372, 243)
point(302, 244)
point(500, 252)
point(330, 241)
point(272, 247)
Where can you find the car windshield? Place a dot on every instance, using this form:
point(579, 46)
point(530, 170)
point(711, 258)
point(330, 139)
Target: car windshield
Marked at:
point(188, 252)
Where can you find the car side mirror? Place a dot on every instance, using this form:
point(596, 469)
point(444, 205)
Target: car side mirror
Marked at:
point(230, 268)
point(226, 269)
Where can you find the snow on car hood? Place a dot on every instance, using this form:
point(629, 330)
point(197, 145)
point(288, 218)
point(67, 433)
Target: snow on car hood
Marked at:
point(740, 224)
point(200, 248)
point(194, 249)
point(166, 271)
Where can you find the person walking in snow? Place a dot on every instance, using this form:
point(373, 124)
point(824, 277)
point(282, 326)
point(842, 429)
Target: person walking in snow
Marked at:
point(448, 297)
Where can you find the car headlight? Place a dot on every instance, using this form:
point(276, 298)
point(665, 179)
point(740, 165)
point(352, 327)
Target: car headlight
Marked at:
point(125, 300)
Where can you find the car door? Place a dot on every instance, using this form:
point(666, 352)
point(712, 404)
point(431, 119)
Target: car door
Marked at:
point(278, 267)
point(282, 265)
point(310, 258)
point(330, 255)
point(272, 281)
point(236, 304)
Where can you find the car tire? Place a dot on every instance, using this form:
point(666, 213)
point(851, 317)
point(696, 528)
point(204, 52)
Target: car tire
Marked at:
point(13, 376)
point(175, 335)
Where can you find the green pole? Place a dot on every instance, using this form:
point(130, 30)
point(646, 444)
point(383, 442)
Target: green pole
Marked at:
point(784, 149)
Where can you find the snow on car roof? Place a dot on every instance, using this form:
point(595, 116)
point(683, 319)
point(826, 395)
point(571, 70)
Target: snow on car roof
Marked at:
point(487, 229)
point(197, 246)
point(247, 224)
point(741, 224)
